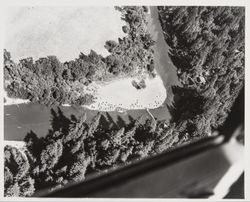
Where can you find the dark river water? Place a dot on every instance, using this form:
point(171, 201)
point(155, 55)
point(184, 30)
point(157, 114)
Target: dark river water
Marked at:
point(21, 119)
point(163, 63)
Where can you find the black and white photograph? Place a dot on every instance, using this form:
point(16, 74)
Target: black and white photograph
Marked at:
point(123, 101)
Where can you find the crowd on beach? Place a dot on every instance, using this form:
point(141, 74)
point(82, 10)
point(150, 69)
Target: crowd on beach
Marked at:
point(108, 106)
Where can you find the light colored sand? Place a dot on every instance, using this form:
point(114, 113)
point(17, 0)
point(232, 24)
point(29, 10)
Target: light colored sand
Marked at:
point(12, 101)
point(66, 105)
point(17, 144)
point(120, 94)
point(60, 31)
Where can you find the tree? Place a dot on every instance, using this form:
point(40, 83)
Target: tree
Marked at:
point(17, 181)
point(203, 37)
point(77, 133)
point(6, 56)
point(125, 29)
point(93, 125)
point(12, 191)
point(78, 169)
point(110, 45)
point(27, 186)
point(50, 156)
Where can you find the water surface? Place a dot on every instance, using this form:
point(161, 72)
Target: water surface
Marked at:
point(163, 64)
point(21, 119)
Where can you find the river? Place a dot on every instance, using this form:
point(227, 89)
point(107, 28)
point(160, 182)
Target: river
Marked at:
point(21, 119)
point(163, 64)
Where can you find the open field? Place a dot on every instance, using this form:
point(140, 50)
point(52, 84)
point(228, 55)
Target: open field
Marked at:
point(63, 32)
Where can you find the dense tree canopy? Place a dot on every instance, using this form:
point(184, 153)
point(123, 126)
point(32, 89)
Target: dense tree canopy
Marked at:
point(208, 48)
point(75, 147)
point(17, 179)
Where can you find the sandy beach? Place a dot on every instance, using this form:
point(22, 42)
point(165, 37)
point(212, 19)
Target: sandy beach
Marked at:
point(121, 95)
point(13, 101)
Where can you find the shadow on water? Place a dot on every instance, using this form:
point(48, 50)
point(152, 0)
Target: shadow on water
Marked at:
point(120, 122)
point(18, 121)
point(131, 119)
point(59, 121)
point(31, 136)
point(112, 124)
point(33, 142)
point(104, 123)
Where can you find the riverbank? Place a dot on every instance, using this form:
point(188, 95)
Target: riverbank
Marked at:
point(17, 144)
point(119, 94)
point(23, 118)
point(13, 101)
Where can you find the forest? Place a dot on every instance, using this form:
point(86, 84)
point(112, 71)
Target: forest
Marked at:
point(208, 49)
point(207, 46)
point(48, 81)
point(74, 148)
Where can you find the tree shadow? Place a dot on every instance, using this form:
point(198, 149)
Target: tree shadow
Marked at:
point(113, 125)
point(33, 143)
point(59, 121)
point(120, 122)
point(131, 119)
point(187, 104)
point(73, 118)
point(31, 137)
point(104, 123)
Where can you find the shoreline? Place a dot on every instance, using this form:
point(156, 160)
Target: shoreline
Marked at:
point(13, 101)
